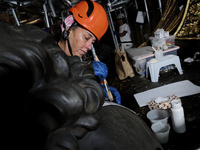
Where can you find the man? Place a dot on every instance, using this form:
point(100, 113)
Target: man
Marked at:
point(124, 32)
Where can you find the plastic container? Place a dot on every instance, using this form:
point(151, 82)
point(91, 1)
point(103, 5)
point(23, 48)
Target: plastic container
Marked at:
point(177, 115)
point(161, 131)
point(157, 115)
point(157, 42)
point(170, 41)
point(164, 43)
point(159, 54)
point(160, 33)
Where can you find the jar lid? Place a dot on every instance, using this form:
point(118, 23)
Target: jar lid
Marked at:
point(176, 104)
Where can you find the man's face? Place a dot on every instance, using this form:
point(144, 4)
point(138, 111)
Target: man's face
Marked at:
point(120, 21)
point(81, 41)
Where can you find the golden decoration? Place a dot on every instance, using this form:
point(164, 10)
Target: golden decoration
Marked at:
point(189, 27)
point(184, 24)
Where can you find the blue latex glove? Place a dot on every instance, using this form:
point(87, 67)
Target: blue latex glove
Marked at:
point(100, 70)
point(46, 29)
point(114, 92)
point(116, 33)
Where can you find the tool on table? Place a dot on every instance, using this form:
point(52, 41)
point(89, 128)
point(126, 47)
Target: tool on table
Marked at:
point(110, 96)
point(154, 49)
point(158, 47)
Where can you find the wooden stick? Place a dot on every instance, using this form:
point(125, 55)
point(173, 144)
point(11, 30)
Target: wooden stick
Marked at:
point(154, 49)
point(158, 47)
point(110, 96)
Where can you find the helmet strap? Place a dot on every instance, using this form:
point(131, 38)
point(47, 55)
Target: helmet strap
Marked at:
point(66, 37)
point(68, 43)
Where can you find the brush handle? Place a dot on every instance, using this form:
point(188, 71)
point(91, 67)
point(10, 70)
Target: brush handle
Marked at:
point(110, 96)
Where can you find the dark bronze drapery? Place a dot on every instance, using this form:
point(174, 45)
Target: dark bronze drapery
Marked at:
point(184, 24)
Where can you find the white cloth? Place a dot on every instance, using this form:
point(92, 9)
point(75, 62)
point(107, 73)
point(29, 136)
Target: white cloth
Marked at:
point(127, 46)
point(180, 89)
point(126, 37)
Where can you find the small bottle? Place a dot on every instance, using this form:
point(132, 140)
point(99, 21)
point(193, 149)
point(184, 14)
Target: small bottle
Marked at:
point(177, 115)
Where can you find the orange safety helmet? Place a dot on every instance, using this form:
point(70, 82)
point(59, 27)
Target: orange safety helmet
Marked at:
point(92, 16)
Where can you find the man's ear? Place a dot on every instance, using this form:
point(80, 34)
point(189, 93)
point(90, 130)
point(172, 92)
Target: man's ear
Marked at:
point(66, 33)
point(67, 28)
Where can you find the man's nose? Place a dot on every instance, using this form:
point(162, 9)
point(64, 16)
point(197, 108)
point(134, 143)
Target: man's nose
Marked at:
point(89, 45)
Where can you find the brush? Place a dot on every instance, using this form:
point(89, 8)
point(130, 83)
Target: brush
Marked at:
point(110, 96)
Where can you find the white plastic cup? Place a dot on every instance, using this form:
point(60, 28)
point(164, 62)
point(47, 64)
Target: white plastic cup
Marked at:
point(157, 115)
point(161, 131)
point(159, 54)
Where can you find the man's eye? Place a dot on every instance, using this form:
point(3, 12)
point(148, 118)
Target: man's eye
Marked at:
point(86, 38)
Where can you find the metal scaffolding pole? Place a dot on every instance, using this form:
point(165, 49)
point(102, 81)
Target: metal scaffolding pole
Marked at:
point(136, 5)
point(147, 12)
point(112, 28)
point(46, 15)
point(125, 13)
point(141, 28)
point(160, 6)
point(15, 16)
